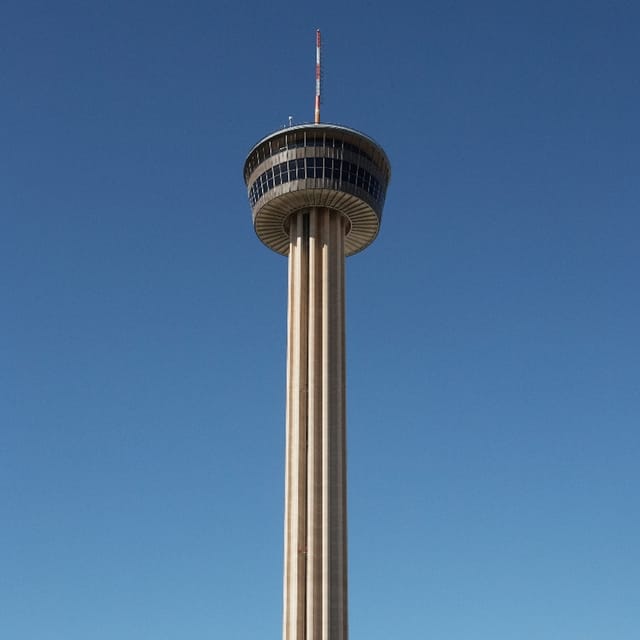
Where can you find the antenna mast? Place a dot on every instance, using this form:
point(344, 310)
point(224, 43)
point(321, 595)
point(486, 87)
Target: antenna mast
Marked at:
point(317, 114)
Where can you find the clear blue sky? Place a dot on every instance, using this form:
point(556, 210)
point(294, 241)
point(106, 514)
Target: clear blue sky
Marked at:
point(493, 342)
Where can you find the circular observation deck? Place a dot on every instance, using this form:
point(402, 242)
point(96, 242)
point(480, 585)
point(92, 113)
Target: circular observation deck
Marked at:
point(317, 165)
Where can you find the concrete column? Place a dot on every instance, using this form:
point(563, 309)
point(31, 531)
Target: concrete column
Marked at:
point(315, 576)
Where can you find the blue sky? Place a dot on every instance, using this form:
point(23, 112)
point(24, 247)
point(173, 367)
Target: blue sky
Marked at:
point(493, 345)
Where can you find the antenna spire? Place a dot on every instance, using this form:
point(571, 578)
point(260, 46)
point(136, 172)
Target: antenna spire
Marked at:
point(317, 113)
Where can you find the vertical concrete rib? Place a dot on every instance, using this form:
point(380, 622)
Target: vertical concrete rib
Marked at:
point(327, 407)
point(296, 435)
point(341, 431)
point(314, 449)
point(315, 597)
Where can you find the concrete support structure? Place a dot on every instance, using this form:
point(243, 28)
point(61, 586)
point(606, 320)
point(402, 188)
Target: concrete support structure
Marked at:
point(315, 581)
point(316, 193)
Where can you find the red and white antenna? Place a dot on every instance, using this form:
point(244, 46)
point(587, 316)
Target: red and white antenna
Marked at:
point(317, 114)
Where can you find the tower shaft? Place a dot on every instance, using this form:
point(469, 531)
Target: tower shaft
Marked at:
point(315, 571)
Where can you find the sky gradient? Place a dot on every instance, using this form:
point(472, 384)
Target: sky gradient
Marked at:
point(492, 328)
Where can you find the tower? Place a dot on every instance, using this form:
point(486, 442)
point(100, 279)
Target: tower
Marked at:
point(316, 192)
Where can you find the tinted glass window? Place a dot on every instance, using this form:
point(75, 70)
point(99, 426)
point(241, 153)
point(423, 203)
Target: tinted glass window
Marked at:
point(317, 167)
point(311, 168)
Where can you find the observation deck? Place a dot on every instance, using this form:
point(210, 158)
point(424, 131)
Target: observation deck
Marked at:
point(317, 165)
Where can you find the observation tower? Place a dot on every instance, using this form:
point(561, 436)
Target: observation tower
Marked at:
point(316, 192)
